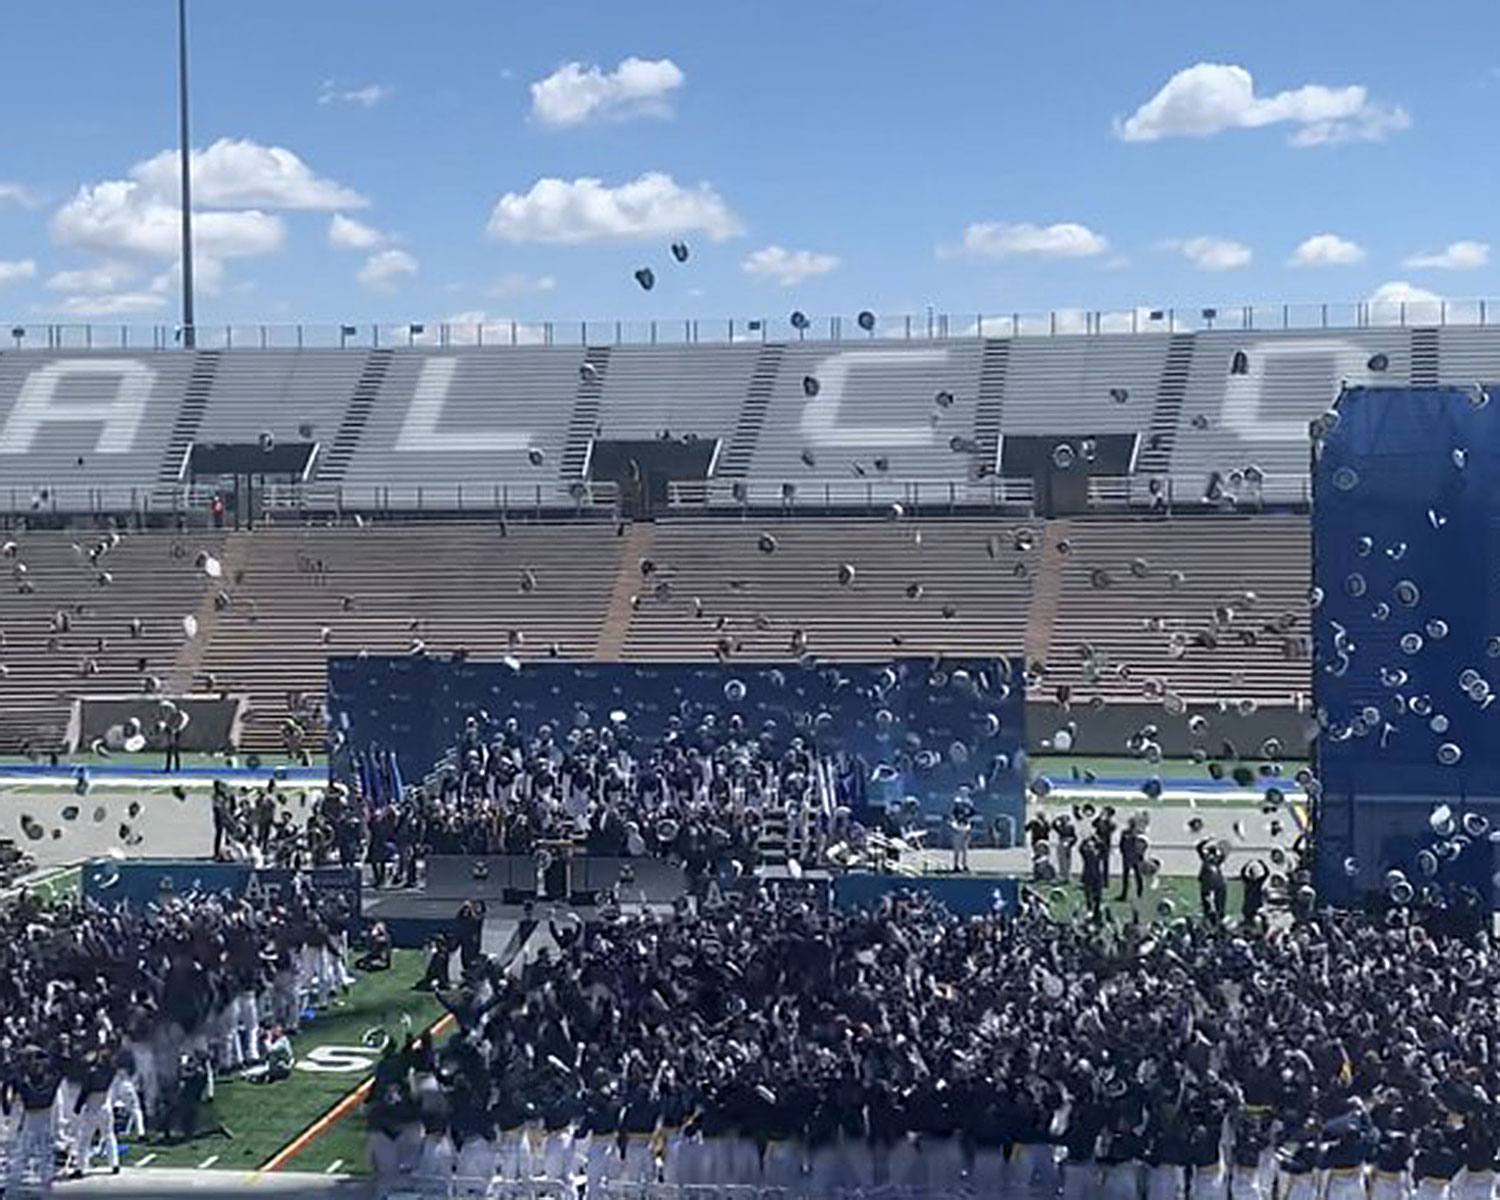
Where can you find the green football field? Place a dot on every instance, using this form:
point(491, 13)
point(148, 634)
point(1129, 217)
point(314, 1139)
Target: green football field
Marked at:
point(265, 1118)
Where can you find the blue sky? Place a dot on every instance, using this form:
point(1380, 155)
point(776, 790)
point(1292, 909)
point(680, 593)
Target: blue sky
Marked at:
point(375, 161)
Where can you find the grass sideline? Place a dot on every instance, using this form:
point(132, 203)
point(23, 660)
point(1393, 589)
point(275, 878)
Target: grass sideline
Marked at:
point(266, 1117)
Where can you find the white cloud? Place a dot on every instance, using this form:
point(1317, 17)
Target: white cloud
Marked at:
point(117, 216)
point(585, 210)
point(24, 268)
point(1399, 302)
point(1209, 253)
point(236, 173)
point(104, 277)
point(18, 193)
point(384, 269)
point(367, 96)
point(574, 93)
point(1326, 250)
point(1208, 98)
point(1457, 256)
point(471, 328)
point(516, 283)
point(1398, 291)
point(112, 304)
point(992, 239)
point(238, 186)
point(345, 233)
point(788, 267)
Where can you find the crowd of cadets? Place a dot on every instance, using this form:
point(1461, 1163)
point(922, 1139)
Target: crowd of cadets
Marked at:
point(137, 1007)
point(760, 1040)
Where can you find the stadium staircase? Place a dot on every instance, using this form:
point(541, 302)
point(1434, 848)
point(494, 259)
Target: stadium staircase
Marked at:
point(631, 583)
point(989, 408)
point(195, 397)
point(585, 419)
point(1424, 357)
point(1156, 451)
point(1041, 619)
point(335, 464)
point(734, 463)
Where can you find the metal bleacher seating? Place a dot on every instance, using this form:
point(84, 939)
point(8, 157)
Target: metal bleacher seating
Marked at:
point(524, 395)
point(1169, 580)
point(922, 587)
point(292, 596)
point(72, 466)
point(424, 427)
point(1076, 374)
point(1260, 419)
point(680, 389)
point(875, 401)
point(67, 633)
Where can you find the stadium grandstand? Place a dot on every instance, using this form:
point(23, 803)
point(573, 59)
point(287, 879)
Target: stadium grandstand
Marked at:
point(939, 471)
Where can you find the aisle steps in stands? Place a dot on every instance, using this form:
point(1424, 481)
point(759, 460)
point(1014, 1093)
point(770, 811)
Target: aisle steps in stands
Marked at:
point(735, 461)
point(629, 586)
point(585, 418)
point(989, 410)
point(200, 386)
point(335, 463)
point(1156, 449)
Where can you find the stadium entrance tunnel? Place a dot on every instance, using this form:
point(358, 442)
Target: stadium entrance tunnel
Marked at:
point(644, 471)
point(1405, 609)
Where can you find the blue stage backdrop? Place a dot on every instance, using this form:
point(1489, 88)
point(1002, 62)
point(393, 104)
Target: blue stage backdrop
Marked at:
point(921, 727)
point(1406, 629)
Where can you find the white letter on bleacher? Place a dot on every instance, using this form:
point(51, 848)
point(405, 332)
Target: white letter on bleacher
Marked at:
point(119, 417)
point(820, 417)
point(419, 430)
point(1243, 393)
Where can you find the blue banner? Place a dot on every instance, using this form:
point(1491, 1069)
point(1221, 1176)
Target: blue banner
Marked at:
point(908, 727)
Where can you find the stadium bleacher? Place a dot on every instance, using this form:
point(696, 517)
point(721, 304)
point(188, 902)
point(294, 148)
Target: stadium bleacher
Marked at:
point(509, 429)
point(407, 428)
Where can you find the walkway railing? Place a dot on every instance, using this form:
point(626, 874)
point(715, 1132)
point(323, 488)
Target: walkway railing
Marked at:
point(929, 326)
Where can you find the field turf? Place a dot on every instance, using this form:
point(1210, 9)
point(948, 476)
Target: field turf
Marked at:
point(266, 1117)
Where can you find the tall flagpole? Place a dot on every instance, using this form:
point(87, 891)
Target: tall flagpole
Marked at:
point(189, 335)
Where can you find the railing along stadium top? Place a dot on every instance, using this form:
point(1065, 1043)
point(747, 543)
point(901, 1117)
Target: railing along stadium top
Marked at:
point(930, 326)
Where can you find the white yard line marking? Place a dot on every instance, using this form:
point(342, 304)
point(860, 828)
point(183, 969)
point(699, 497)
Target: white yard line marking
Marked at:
point(208, 1162)
point(332, 1168)
point(148, 1160)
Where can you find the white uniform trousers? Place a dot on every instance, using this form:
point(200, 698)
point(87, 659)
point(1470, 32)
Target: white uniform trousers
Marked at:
point(1120, 1181)
point(124, 1094)
point(1300, 1186)
point(382, 1151)
point(1390, 1185)
point(1209, 1183)
point(1474, 1185)
point(1080, 1180)
point(987, 1171)
point(435, 1160)
point(63, 1121)
point(96, 1120)
point(781, 1164)
point(1433, 1189)
point(474, 1167)
point(1251, 1183)
point(1344, 1183)
point(1166, 1181)
point(246, 1016)
point(32, 1151)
